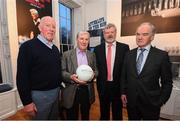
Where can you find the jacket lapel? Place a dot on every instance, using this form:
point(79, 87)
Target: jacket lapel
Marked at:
point(115, 58)
point(74, 59)
point(88, 58)
point(134, 55)
point(104, 56)
point(148, 60)
point(118, 51)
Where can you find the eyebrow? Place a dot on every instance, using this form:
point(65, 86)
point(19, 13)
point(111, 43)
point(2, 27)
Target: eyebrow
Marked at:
point(144, 34)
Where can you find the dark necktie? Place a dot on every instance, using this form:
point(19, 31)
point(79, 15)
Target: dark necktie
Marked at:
point(140, 60)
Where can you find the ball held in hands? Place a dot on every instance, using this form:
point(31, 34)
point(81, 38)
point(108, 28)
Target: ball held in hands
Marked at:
point(84, 73)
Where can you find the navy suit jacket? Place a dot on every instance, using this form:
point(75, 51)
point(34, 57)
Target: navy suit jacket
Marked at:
point(154, 84)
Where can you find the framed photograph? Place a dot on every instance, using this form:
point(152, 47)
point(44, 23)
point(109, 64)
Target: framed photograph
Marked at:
point(29, 14)
point(164, 14)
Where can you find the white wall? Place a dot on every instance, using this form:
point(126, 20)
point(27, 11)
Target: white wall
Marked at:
point(79, 21)
point(114, 14)
point(13, 36)
point(111, 10)
point(94, 9)
point(55, 14)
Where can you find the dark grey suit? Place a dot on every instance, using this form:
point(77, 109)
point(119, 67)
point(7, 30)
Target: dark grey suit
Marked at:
point(144, 90)
point(69, 66)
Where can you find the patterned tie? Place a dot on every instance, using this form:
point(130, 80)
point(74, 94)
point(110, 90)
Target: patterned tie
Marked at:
point(109, 54)
point(140, 60)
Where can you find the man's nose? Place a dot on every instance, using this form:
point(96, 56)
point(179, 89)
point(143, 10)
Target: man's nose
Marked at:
point(140, 36)
point(52, 28)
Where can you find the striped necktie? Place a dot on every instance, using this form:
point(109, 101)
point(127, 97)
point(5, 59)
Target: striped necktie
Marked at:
point(140, 60)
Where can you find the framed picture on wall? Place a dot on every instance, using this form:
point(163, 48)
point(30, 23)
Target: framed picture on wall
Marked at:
point(164, 14)
point(29, 14)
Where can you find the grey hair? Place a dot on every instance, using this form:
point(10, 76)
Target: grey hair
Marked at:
point(109, 25)
point(82, 32)
point(33, 11)
point(153, 28)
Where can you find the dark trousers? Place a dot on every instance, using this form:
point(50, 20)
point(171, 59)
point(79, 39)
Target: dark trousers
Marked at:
point(81, 101)
point(110, 99)
point(143, 111)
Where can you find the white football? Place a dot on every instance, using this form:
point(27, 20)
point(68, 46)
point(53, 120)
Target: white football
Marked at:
point(84, 73)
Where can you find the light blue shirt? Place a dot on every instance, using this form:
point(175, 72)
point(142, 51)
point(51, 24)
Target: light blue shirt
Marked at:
point(145, 54)
point(45, 41)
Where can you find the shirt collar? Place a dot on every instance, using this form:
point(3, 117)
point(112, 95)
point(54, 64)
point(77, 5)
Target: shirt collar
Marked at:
point(78, 50)
point(113, 44)
point(147, 47)
point(45, 41)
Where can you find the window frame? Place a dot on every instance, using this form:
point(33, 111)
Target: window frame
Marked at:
point(67, 44)
point(5, 58)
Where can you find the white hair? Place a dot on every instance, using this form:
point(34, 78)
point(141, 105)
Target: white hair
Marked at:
point(32, 10)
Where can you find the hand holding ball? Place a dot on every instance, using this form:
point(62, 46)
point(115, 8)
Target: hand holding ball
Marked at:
point(84, 73)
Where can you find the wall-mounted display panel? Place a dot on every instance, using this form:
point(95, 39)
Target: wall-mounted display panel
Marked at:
point(29, 13)
point(164, 14)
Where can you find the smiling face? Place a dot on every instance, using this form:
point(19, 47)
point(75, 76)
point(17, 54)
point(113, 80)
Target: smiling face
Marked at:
point(83, 40)
point(34, 15)
point(47, 28)
point(144, 35)
point(110, 34)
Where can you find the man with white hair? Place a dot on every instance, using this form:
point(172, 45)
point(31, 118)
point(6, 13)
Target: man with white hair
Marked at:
point(80, 99)
point(36, 20)
point(35, 16)
point(39, 73)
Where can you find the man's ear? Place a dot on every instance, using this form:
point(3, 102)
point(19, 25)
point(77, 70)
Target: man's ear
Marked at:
point(152, 37)
point(39, 27)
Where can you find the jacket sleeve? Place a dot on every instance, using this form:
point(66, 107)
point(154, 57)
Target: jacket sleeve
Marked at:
point(166, 79)
point(95, 69)
point(64, 64)
point(124, 76)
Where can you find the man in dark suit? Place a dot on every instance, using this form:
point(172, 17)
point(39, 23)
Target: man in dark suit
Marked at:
point(70, 62)
point(109, 57)
point(146, 77)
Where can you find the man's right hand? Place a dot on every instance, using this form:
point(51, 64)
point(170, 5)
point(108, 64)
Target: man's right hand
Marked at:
point(124, 100)
point(74, 77)
point(30, 109)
